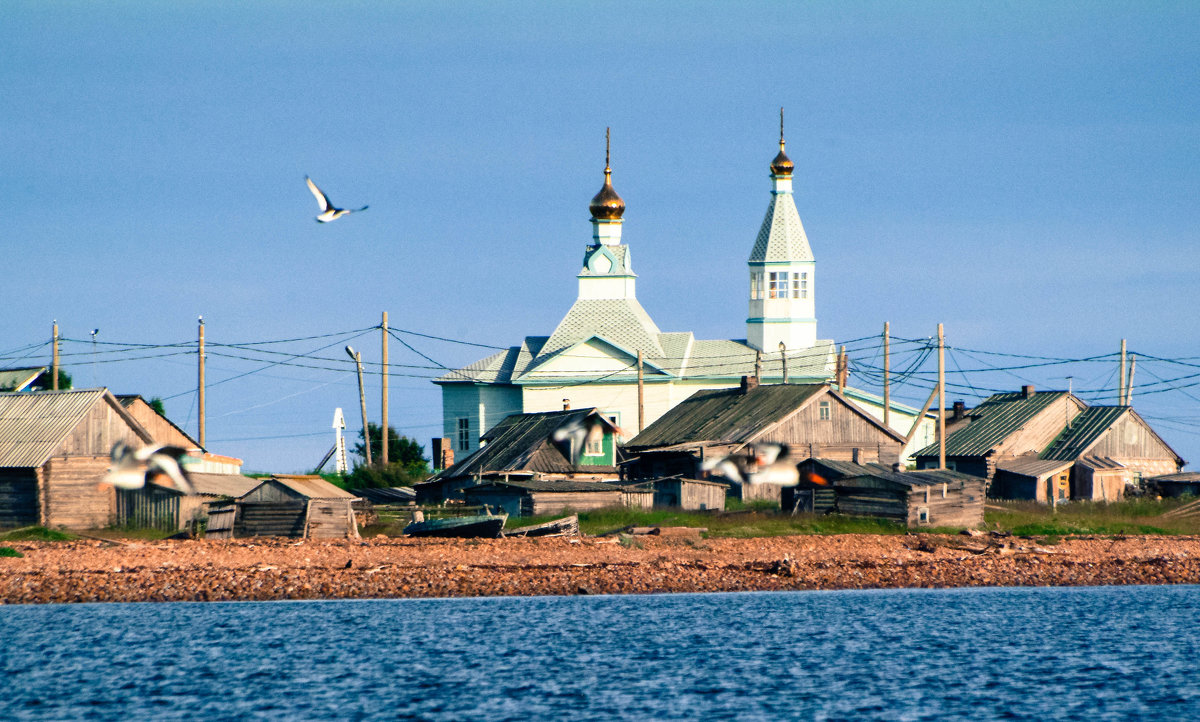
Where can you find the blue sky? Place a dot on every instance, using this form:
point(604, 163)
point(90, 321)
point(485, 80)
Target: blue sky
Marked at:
point(1024, 173)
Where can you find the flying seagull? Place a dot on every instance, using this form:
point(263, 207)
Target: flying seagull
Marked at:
point(328, 210)
point(126, 470)
point(767, 463)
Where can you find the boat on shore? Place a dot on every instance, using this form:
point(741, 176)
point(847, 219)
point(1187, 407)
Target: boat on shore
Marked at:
point(479, 526)
point(567, 526)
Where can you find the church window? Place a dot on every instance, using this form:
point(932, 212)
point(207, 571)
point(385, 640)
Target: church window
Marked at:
point(755, 280)
point(464, 434)
point(800, 285)
point(777, 284)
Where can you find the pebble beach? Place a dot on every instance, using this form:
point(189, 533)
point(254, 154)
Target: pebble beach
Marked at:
point(278, 569)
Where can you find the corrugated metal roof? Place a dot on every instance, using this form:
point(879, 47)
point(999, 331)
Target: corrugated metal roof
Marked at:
point(1088, 426)
point(923, 477)
point(1186, 477)
point(1033, 466)
point(231, 485)
point(726, 415)
point(33, 425)
point(1101, 462)
point(832, 469)
point(993, 421)
point(521, 442)
point(17, 379)
point(313, 487)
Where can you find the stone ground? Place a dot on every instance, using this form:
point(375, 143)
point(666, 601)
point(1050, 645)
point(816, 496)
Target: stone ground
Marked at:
point(267, 569)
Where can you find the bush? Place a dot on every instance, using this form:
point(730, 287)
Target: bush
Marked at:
point(375, 477)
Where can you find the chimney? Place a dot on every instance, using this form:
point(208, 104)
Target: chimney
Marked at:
point(898, 467)
point(960, 410)
point(749, 383)
point(1028, 391)
point(566, 404)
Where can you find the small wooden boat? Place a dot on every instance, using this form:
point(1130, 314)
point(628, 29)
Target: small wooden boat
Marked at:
point(567, 526)
point(485, 526)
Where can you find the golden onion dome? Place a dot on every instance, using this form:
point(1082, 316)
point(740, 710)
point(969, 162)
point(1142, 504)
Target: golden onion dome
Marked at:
point(782, 165)
point(607, 205)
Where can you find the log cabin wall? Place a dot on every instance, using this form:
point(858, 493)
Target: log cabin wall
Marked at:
point(551, 502)
point(73, 495)
point(701, 496)
point(953, 504)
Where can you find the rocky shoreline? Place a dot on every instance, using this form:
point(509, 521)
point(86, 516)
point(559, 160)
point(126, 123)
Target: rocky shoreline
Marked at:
point(275, 569)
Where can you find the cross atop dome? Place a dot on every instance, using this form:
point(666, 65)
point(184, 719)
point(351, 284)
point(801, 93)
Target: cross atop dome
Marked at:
point(607, 205)
point(782, 166)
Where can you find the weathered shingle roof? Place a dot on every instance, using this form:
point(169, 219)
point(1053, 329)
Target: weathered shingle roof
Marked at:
point(993, 421)
point(781, 236)
point(521, 442)
point(575, 487)
point(313, 487)
point(33, 425)
point(1085, 429)
point(726, 415)
point(924, 477)
point(832, 469)
point(231, 485)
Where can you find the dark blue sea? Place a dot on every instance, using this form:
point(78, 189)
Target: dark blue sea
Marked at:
point(1036, 654)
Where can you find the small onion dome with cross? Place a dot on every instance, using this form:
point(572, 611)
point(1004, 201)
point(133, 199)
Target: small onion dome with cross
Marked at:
point(607, 205)
point(782, 165)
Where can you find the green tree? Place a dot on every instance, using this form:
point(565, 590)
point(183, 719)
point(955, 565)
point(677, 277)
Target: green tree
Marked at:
point(406, 461)
point(157, 404)
point(44, 382)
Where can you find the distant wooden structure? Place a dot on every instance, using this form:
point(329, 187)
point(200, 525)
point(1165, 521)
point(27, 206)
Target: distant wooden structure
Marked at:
point(933, 498)
point(54, 451)
point(169, 509)
point(1186, 483)
point(522, 448)
point(812, 419)
point(1041, 480)
point(538, 498)
point(688, 494)
point(296, 506)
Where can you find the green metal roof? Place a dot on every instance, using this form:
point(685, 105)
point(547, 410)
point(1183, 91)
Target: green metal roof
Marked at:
point(20, 378)
point(993, 421)
point(1085, 430)
point(725, 416)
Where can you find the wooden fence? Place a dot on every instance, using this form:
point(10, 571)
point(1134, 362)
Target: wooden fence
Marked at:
point(148, 508)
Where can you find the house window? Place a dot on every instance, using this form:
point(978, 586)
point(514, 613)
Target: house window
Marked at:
point(777, 284)
point(594, 447)
point(464, 434)
point(923, 515)
point(823, 412)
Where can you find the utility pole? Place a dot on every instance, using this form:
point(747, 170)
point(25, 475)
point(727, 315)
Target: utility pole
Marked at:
point(200, 384)
point(1129, 385)
point(783, 359)
point(941, 398)
point(383, 453)
point(1121, 390)
point(758, 365)
point(887, 368)
point(54, 363)
point(362, 401)
point(641, 395)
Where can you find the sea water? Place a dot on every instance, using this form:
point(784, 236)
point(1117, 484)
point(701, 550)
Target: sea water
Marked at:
point(1027, 653)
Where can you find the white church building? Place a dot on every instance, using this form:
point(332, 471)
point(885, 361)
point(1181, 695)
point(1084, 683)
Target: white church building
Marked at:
point(591, 358)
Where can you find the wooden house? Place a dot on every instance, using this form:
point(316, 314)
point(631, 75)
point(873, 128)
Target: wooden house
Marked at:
point(165, 431)
point(169, 509)
point(1004, 426)
point(1119, 434)
point(812, 419)
point(295, 506)
point(538, 498)
point(1098, 478)
point(522, 447)
point(54, 450)
point(933, 498)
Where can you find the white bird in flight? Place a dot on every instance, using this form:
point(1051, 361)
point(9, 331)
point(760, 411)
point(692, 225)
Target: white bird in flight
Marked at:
point(126, 471)
point(768, 463)
point(328, 211)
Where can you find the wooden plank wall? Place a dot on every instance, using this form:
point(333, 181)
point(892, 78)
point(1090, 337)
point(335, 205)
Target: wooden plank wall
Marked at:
point(73, 496)
point(96, 433)
point(148, 508)
point(273, 493)
point(18, 498)
point(161, 430)
point(331, 519)
point(280, 519)
point(555, 502)
point(701, 496)
point(962, 505)
point(837, 436)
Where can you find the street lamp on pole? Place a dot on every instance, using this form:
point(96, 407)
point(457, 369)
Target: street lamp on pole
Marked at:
point(362, 400)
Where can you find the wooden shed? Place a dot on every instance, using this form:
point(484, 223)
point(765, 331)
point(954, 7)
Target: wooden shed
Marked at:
point(689, 494)
point(812, 419)
point(1041, 480)
point(938, 498)
point(1099, 478)
point(54, 451)
point(1186, 483)
point(169, 509)
point(537, 498)
point(296, 506)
